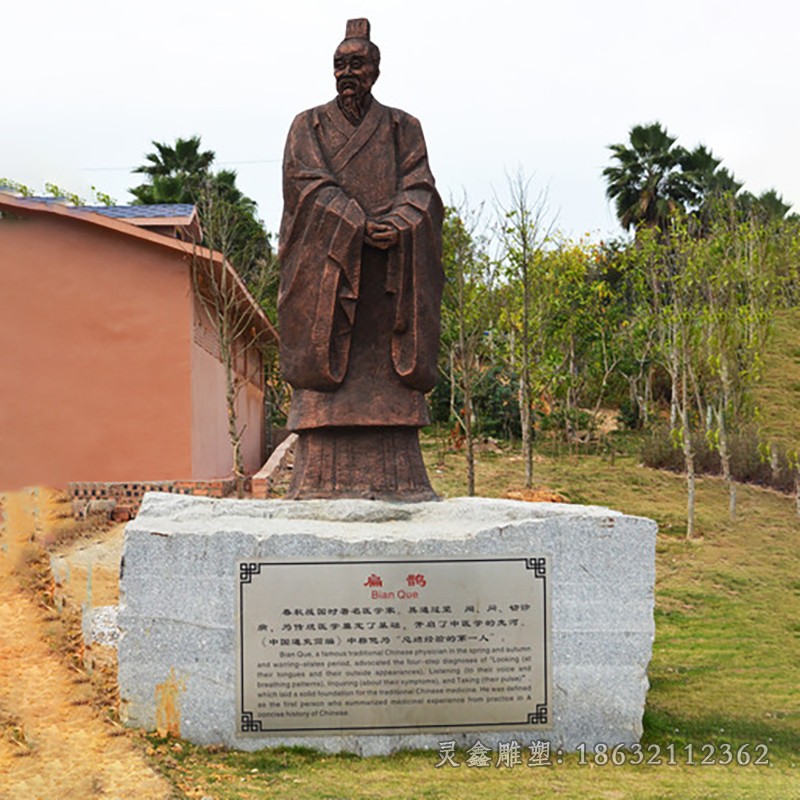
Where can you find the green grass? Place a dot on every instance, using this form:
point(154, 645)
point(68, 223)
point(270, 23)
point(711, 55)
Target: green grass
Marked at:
point(305, 775)
point(725, 666)
point(778, 396)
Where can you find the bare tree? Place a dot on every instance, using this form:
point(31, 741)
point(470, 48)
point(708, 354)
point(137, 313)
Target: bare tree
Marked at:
point(525, 227)
point(233, 309)
point(467, 313)
point(676, 316)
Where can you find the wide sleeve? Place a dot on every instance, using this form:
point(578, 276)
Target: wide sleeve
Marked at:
point(415, 271)
point(321, 237)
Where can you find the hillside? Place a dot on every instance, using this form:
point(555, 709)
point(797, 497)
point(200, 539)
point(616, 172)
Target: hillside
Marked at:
point(778, 396)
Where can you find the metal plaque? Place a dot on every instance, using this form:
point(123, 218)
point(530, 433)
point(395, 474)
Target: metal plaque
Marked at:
point(392, 645)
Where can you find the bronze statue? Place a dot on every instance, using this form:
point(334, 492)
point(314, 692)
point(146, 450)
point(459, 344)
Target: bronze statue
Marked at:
point(361, 287)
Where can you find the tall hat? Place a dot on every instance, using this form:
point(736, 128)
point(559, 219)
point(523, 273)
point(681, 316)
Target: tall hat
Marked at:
point(357, 29)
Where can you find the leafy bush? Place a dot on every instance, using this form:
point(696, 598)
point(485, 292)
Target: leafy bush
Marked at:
point(629, 417)
point(494, 402)
point(497, 405)
point(566, 420)
point(750, 458)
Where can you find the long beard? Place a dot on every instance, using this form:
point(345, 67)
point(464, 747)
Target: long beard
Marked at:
point(354, 107)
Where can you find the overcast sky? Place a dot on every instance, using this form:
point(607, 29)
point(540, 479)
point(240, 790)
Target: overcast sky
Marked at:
point(498, 86)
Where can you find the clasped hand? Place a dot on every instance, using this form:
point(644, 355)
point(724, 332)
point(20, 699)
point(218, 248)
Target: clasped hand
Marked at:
point(382, 235)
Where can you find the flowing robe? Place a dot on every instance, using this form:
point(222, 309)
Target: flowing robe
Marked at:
point(359, 326)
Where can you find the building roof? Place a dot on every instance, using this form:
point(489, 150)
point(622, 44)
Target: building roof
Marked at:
point(159, 210)
point(178, 219)
point(152, 211)
point(135, 228)
point(53, 201)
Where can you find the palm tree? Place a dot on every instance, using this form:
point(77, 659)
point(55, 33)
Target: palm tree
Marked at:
point(714, 187)
point(181, 173)
point(768, 207)
point(225, 183)
point(175, 172)
point(701, 168)
point(648, 183)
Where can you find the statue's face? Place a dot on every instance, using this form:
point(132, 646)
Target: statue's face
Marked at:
point(354, 70)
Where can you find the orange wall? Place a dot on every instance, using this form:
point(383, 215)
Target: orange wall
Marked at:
point(95, 356)
point(211, 448)
point(212, 456)
point(251, 407)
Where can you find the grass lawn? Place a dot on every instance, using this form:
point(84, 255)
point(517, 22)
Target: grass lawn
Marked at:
point(778, 393)
point(725, 668)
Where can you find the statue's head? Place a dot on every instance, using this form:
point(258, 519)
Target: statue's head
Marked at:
point(356, 62)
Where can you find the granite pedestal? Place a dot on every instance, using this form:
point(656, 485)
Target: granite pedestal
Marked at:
point(178, 605)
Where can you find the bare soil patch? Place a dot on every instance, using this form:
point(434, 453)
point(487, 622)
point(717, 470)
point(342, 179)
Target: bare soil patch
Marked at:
point(56, 738)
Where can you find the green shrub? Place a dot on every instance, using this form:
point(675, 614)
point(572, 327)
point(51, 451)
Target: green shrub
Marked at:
point(750, 460)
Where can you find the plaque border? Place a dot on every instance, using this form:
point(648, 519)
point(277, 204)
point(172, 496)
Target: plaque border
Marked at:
point(248, 725)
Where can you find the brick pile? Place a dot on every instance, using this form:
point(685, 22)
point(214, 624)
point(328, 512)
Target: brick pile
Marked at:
point(127, 496)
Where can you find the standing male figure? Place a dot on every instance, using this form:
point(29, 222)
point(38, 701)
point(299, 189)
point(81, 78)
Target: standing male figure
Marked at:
point(361, 287)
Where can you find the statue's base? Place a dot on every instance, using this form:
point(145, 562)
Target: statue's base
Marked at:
point(180, 666)
point(365, 463)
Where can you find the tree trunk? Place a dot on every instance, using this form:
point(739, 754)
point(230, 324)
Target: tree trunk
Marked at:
point(527, 439)
point(453, 409)
point(690, 486)
point(797, 489)
point(571, 428)
point(725, 458)
point(688, 455)
point(703, 411)
point(527, 432)
point(466, 374)
point(269, 431)
point(673, 404)
point(724, 450)
point(234, 434)
point(648, 394)
point(774, 465)
point(470, 443)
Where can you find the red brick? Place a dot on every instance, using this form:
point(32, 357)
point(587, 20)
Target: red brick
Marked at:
point(122, 513)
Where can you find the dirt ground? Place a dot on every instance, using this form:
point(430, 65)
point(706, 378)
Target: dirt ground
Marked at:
point(58, 739)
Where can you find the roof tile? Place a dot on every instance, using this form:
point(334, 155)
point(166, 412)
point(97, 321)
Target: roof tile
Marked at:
point(155, 210)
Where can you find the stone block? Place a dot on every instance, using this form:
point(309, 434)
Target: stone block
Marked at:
point(178, 605)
